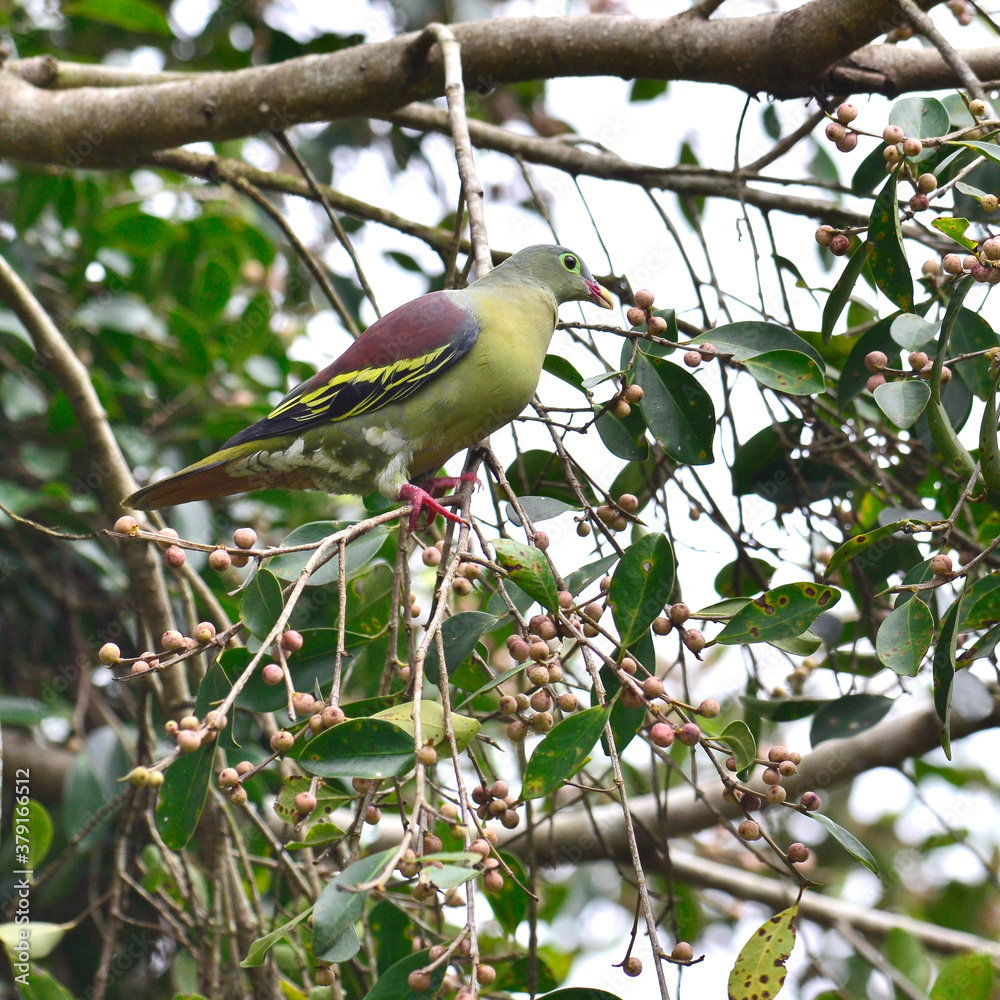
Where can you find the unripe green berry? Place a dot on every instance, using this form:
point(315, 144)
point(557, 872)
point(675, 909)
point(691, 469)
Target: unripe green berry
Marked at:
point(109, 654)
point(427, 756)
point(203, 632)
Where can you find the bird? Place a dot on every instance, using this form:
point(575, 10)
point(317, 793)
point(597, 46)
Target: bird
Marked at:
point(424, 382)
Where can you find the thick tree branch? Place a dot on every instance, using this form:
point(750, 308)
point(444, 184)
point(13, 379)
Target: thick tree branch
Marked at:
point(787, 54)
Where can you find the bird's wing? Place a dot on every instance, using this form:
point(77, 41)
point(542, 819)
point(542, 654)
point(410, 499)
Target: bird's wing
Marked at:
point(392, 359)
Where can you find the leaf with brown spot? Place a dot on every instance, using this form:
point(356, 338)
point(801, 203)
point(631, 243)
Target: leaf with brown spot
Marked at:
point(782, 613)
point(759, 972)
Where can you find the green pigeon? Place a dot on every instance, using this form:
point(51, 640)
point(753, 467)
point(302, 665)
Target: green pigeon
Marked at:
point(424, 382)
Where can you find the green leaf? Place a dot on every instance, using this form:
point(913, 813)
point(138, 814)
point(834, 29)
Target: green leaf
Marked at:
point(787, 371)
point(623, 437)
point(783, 709)
point(539, 509)
point(955, 229)
point(781, 613)
point(906, 952)
point(359, 553)
point(182, 796)
point(983, 646)
point(885, 249)
point(641, 586)
point(988, 149)
point(870, 173)
point(562, 369)
point(735, 577)
point(646, 90)
point(432, 729)
point(460, 635)
point(262, 603)
point(563, 751)
point(847, 840)
point(964, 977)
point(131, 15)
point(920, 117)
point(510, 904)
point(904, 637)
point(739, 739)
point(903, 402)
point(529, 569)
point(840, 295)
point(257, 951)
point(972, 333)
point(677, 409)
point(38, 984)
point(583, 577)
point(393, 984)
point(20, 711)
point(759, 971)
point(391, 933)
point(944, 673)
point(911, 331)
point(751, 338)
point(35, 818)
point(580, 993)
point(857, 544)
point(799, 645)
point(981, 603)
point(357, 748)
point(844, 717)
point(338, 907)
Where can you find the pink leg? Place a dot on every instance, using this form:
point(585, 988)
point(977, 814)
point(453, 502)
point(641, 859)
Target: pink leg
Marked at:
point(422, 500)
point(437, 485)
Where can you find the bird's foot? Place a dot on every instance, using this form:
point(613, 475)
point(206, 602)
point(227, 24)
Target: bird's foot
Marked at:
point(423, 502)
point(438, 485)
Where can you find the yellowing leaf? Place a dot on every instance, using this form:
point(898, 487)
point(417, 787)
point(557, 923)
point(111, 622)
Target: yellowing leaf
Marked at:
point(431, 723)
point(759, 972)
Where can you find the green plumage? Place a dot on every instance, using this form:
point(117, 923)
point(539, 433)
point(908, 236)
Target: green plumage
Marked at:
point(426, 381)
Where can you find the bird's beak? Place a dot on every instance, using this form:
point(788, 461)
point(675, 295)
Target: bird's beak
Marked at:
point(600, 296)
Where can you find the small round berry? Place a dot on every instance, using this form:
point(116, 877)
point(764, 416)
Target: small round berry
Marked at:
point(244, 767)
point(519, 650)
point(126, 525)
point(771, 776)
point(692, 358)
point(282, 741)
point(621, 408)
point(689, 734)
point(679, 613)
point(305, 802)
point(875, 361)
point(730, 763)
point(941, 564)
point(361, 785)
point(496, 807)
point(324, 976)
point(919, 203)
point(952, 263)
point(485, 975)
point(656, 325)
point(272, 674)
point(635, 316)
point(912, 147)
point(694, 640)
point(991, 248)
point(652, 687)
point(824, 235)
point(835, 131)
point(797, 853)
point(188, 741)
point(191, 722)
point(926, 183)
point(172, 639)
point(787, 768)
point(632, 966)
point(238, 795)
point(537, 674)
point(709, 709)
point(542, 722)
point(203, 632)
point(137, 776)
point(373, 816)
point(892, 134)
point(332, 715)
point(628, 665)
point(219, 560)
point(229, 777)
point(522, 701)
point(154, 779)
point(493, 881)
point(892, 155)
point(775, 794)
point(751, 801)
point(606, 514)
point(547, 630)
point(980, 272)
point(175, 557)
point(245, 538)
point(291, 641)
point(848, 143)
point(539, 651)
point(917, 360)
point(846, 113)
point(661, 734)
point(517, 731)
point(644, 298)
point(749, 830)
point(316, 723)
point(461, 586)
point(945, 375)
point(634, 393)
point(303, 703)
point(777, 754)
point(567, 702)
point(989, 202)
point(171, 728)
point(662, 625)
point(431, 556)
point(427, 756)
point(508, 705)
point(810, 801)
point(840, 245)
point(480, 847)
point(109, 654)
point(419, 981)
point(967, 262)
point(682, 951)
point(565, 600)
point(583, 529)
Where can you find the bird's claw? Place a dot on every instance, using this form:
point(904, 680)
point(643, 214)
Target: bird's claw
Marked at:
point(423, 502)
point(438, 485)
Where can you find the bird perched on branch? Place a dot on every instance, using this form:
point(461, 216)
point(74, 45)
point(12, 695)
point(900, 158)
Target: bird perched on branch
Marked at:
point(425, 381)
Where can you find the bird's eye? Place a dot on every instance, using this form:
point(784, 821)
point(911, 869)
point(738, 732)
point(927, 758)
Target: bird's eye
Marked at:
point(570, 262)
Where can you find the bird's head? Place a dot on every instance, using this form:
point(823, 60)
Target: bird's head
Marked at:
point(560, 270)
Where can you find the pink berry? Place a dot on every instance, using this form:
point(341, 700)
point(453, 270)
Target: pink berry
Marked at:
point(661, 734)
